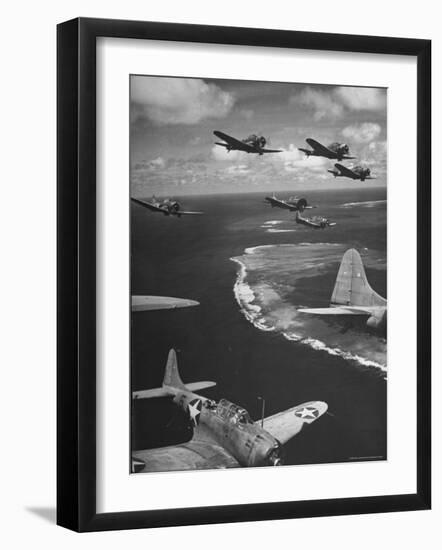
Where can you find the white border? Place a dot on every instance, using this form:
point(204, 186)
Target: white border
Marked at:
point(116, 489)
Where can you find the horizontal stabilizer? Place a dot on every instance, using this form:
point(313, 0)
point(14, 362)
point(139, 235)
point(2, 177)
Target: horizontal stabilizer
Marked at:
point(172, 383)
point(285, 425)
point(155, 392)
point(197, 386)
point(334, 311)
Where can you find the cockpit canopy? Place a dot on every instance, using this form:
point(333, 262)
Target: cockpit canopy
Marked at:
point(229, 411)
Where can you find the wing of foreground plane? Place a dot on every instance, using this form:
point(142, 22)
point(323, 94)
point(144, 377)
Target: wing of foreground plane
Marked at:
point(153, 303)
point(286, 424)
point(193, 455)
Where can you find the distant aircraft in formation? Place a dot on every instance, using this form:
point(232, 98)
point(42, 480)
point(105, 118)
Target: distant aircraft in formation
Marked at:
point(154, 303)
point(355, 173)
point(252, 144)
point(292, 204)
point(335, 151)
point(352, 295)
point(168, 207)
point(317, 222)
point(224, 436)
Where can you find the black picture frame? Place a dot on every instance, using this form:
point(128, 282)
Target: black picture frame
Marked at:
point(76, 273)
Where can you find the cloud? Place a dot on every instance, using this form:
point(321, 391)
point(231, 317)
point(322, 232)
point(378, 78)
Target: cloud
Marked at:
point(247, 113)
point(362, 133)
point(295, 161)
point(361, 99)
point(178, 100)
point(323, 103)
point(221, 153)
point(333, 103)
point(238, 169)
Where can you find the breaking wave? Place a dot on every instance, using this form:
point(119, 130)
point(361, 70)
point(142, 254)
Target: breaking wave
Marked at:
point(266, 292)
point(363, 204)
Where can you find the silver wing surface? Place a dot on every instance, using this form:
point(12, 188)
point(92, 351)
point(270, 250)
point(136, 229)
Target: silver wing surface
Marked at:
point(194, 455)
point(152, 303)
point(286, 424)
point(234, 143)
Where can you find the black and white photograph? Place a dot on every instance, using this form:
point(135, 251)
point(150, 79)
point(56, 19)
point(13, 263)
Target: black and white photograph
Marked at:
point(258, 272)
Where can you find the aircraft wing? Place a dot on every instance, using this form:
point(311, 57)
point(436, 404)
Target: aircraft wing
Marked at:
point(187, 213)
point(278, 202)
point(285, 425)
point(235, 143)
point(151, 303)
point(193, 455)
point(319, 148)
point(271, 150)
point(148, 205)
point(346, 171)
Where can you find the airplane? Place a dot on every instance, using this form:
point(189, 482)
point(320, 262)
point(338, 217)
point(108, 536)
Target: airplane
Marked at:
point(251, 144)
point(355, 173)
point(224, 436)
point(317, 222)
point(168, 207)
point(292, 203)
point(352, 295)
point(338, 151)
point(154, 303)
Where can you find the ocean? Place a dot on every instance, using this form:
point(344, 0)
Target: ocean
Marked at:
point(251, 267)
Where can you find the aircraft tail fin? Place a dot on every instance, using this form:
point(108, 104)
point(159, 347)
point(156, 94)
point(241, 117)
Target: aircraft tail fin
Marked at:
point(352, 287)
point(172, 383)
point(172, 377)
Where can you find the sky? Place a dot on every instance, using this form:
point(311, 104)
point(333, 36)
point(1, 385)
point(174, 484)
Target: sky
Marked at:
point(173, 151)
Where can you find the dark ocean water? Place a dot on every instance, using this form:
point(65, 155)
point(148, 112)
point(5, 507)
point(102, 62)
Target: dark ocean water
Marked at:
point(250, 274)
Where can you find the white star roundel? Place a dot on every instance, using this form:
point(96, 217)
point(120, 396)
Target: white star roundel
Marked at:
point(195, 411)
point(307, 412)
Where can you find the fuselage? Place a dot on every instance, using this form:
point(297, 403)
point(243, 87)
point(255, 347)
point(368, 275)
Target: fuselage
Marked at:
point(231, 427)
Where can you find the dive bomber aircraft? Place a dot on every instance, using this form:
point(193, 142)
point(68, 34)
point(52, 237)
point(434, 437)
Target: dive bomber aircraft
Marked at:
point(292, 204)
point(251, 144)
point(335, 151)
point(355, 173)
point(224, 436)
point(168, 207)
point(317, 222)
point(352, 295)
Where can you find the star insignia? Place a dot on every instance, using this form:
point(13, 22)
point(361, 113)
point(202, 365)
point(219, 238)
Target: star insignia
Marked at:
point(307, 412)
point(195, 411)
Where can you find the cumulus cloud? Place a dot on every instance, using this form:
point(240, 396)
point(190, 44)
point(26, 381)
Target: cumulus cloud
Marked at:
point(178, 100)
point(238, 169)
point(323, 103)
point(362, 133)
point(361, 99)
point(335, 102)
point(221, 153)
point(295, 161)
